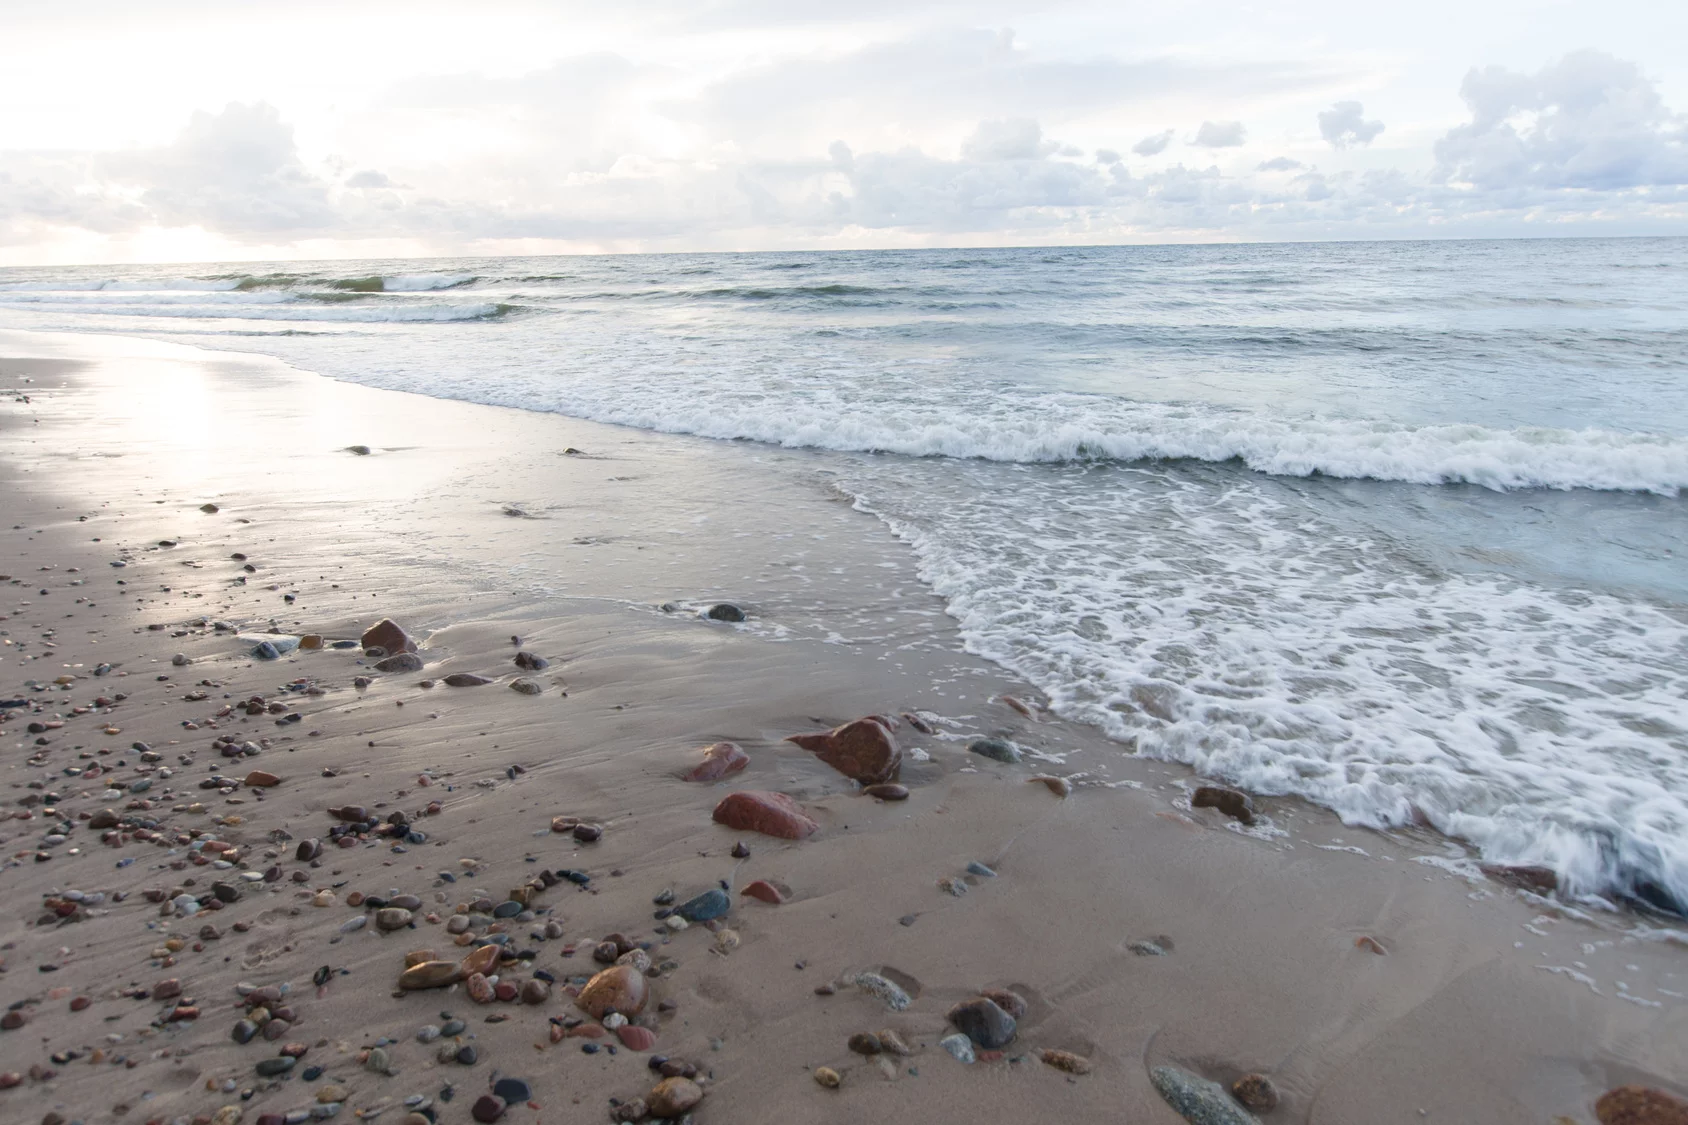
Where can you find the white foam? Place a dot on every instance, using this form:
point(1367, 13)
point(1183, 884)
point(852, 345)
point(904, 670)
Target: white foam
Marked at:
point(423, 282)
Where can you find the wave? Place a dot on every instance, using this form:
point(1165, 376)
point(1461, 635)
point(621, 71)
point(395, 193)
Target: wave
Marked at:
point(291, 310)
point(169, 284)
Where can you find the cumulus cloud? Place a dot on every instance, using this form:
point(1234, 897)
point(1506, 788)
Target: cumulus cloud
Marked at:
point(369, 178)
point(1278, 164)
point(1107, 156)
point(1221, 134)
point(1016, 139)
point(1344, 124)
point(1153, 145)
point(1588, 122)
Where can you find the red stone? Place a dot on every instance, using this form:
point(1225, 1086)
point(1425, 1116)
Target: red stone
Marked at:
point(863, 751)
point(1640, 1105)
point(636, 1038)
point(772, 814)
point(507, 991)
point(719, 760)
point(768, 892)
point(387, 635)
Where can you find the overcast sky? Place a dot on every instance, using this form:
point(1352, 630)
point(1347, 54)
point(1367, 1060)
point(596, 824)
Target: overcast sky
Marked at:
point(181, 130)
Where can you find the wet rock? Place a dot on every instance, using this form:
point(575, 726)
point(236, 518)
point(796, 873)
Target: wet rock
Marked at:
point(400, 662)
point(1541, 880)
point(1256, 1092)
point(525, 687)
point(725, 611)
point(1233, 804)
point(984, 1023)
point(619, 988)
point(387, 636)
point(1065, 1060)
point(719, 760)
point(466, 679)
point(713, 903)
point(1199, 1101)
point(487, 1109)
point(672, 1097)
point(865, 1043)
point(1059, 786)
point(996, 749)
point(430, 974)
point(960, 1048)
point(772, 814)
point(772, 893)
point(863, 751)
point(1640, 1105)
point(887, 791)
point(529, 662)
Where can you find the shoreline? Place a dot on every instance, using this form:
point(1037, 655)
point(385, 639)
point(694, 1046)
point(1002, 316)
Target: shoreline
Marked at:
point(1262, 973)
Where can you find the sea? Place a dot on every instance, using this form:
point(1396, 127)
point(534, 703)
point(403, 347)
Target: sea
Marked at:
point(1397, 527)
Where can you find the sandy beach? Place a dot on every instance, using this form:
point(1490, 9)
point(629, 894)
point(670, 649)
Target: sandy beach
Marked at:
point(165, 506)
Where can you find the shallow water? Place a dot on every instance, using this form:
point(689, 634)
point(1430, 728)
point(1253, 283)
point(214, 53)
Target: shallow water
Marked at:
point(1396, 527)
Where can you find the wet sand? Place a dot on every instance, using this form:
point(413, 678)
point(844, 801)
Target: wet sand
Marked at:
point(469, 524)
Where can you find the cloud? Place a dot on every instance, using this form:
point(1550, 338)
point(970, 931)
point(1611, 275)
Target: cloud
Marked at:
point(1153, 145)
point(1344, 124)
point(369, 179)
point(1107, 156)
point(1278, 164)
point(1221, 134)
point(1588, 122)
point(1016, 139)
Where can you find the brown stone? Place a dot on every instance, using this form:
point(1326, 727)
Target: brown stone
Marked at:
point(1541, 880)
point(1066, 1060)
point(167, 989)
point(863, 751)
point(1233, 804)
point(430, 974)
point(14, 1019)
point(719, 760)
point(310, 642)
point(619, 988)
point(535, 992)
point(466, 679)
point(772, 814)
point(1256, 1092)
point(1640, 1105)
point(636, 1038)
point(261, 779)
point(770, 893)
point(388, 636)
point(482, 960)
point(103, 819)
point(672, 1097)
point(887, 791)
point(479, 989)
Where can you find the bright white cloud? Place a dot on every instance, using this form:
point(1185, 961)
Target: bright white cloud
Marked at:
point(1221, 134)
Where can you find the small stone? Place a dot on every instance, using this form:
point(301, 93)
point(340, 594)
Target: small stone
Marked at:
point(457, 924)
point(1066, 1060)
point(466, 679)
point(865, 1043)
point(772, 814)
point(261, 779)
point(636, 1038)
point(430, 974)
point(1233, 804)
point(983, 1022)
point(1640, 1105)
point(529, 662)
point(719, 760)
point(725, 611)
point(828, 1077)
point(1146, 949)
point(772, 893)
point(392, 918)
point(1257, 1093)
point(466, 1055)
point(892, 1044)
point(479, 989)
point(887, 791)
point(487, 1109)
point(996, 749)
point(960, 1047)
point(270, 1068)
point(588, 833)
point(483, 960)
point(513, 1090)
point(400, 662)
point(884, 989)
point(378, 1061)
point(672, 1097)
point(427, 1033)
point(620, 988)
point(388, 636)
point(525, 687)
point(863, 751)
point(633, 1109)
point(713, 903)
point(1199, 1101)
point(535, 992)
point(1059, 786)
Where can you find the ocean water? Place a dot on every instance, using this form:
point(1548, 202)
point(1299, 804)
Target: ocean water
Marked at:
point(1397, 527)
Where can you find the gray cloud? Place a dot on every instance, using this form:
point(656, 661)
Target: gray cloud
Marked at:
point(1278, 164)
point(1153, 145)
point(1588, 122)
point(1016, 139)
point(1107, 156)
point(1344, 124)
point(1221, 134)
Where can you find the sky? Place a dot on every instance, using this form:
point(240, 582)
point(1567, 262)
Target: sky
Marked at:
point(229, 130)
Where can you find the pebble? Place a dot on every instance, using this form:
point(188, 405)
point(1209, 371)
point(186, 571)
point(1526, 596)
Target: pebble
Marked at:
point(636, 1038)
point(270, 1068)
point(512, 1090)
point(457, 924)
point(1199, 1101)
point(996, 749)
point(466, 1054)
point(960, 1047)
point(892, 1044)
point(865, 1043)
point(466, 679)
point(525, 687)
point(672, 1097)
point(1066, 1060)
point(1257, 1093)
point(724, 611)
point(983, 1022)
point(1233, 804)
point(1011, 1002)
point(1146, 949)
point(1640, 1105)
point(828, 1077)
point(977, 868)
point(487, 1108)
point(887, 791)
point(712, 903)
point(453, 1027)
point(877, 986)
point(378, 1061)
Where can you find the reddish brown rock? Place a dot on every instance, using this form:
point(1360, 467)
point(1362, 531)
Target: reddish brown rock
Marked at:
point(430, 974)
point(261, 779)
point(719, 760)
point(636, 1038)
point(771, 893)
point(619, 988)
point(1640, 1105)
point(863, 751)
point(387, 636)
point(1233, 804)
point(1256, 1092)
point(772, 814)
point(482, 960)
point(672, 1097)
